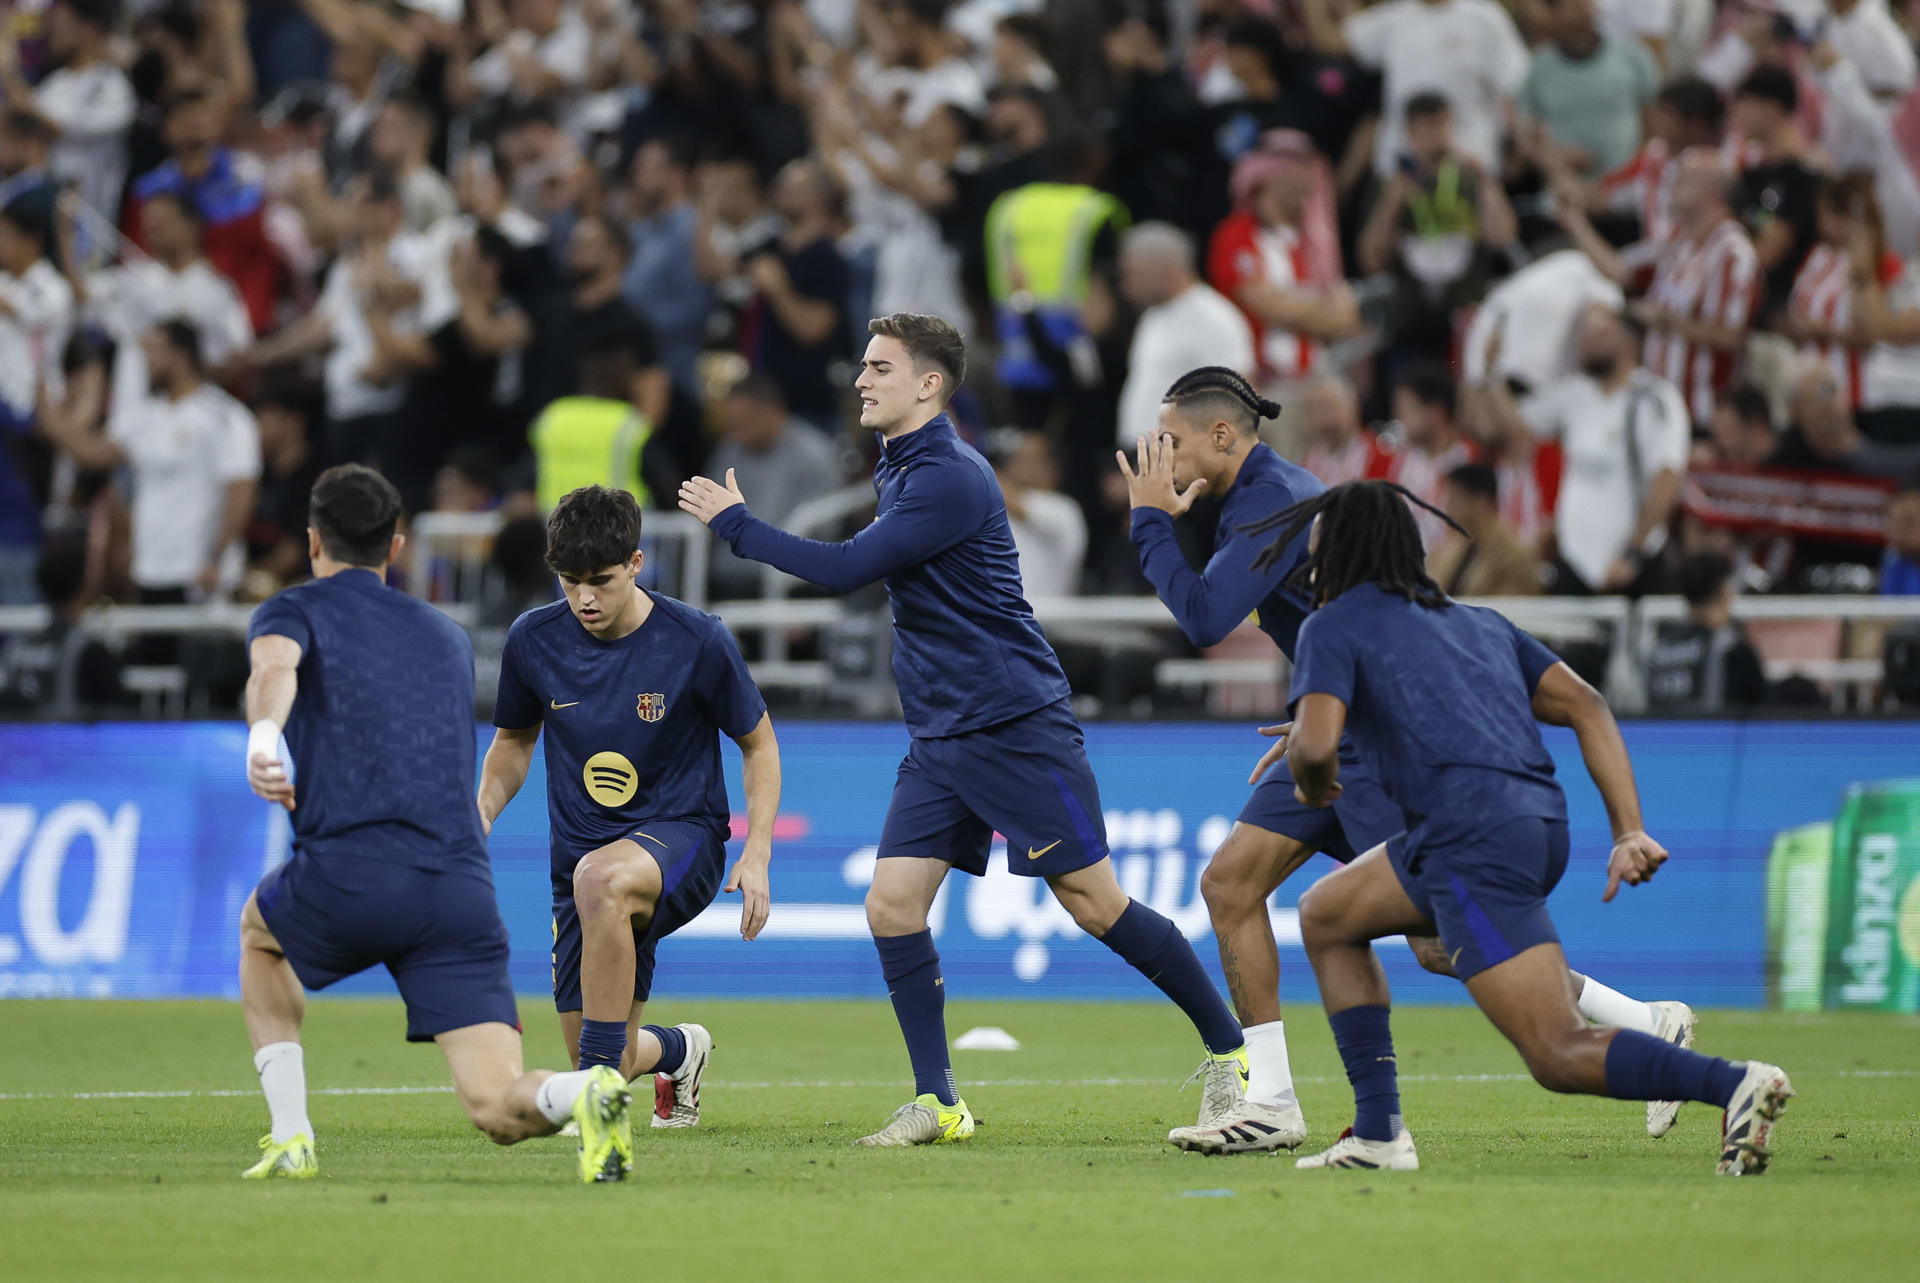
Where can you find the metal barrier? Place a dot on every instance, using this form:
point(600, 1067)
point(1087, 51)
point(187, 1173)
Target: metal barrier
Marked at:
point(448, 553)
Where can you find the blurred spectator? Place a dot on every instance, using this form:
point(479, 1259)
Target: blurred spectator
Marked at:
point(1704, 663)
point(732, 218)
point(662, 278)
point(1438, 225)
point(36, 311)
point(1184, 324)
point(796, 327)
point(289, 465)
point(1277, 256)
point(1706, 279)
point(1587, 89)
point(598, 435)
point(26, 182)
point(1429, 443)
point(928, 72)
point(1865, 34)
point(1882, 323)
point(1527, 470)
point(1859, 132)
point(1776, 198)
point(87, 100)
point(402, 140)
point(1162, 163)
point(1254, 54)
point(1625, 432)
point(225, 186)
point(1489, 560)
point(477, 386)
point(1049, 530)
point(1741, 434)
point(1686, 113)
point(777, 459)
point(1649, 22)
point(1820, 314)
point(539, 51)
point(1526, 330)
point(1900, 568)
point(127, 300)
point(1339, 447)
point(38, 668)
point(1466, 52)
point(193, 456)
point(1823, 436)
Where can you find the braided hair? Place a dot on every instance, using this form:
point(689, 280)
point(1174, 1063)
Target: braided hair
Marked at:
point(1367, 536)
point(1223, 394)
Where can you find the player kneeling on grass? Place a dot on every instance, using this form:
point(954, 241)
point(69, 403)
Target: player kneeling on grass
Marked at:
point(1445, 701)
point(634, 690)
point(374, 692)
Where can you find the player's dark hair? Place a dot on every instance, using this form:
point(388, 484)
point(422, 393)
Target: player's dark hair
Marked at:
point(1367, 536)
point(355, 511)
point(1476, 479)
point(1701, 576)
point(930, 341)
point(1426, 105)
point(592, 528)
point(1771, 84)
point(1214, 391)
point(1696, 101)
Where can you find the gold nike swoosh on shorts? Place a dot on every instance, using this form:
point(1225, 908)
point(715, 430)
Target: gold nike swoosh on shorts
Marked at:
point(1034, 855)
point(556, 704)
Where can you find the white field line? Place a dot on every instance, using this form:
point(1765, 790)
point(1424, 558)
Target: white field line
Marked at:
point(849, 1083)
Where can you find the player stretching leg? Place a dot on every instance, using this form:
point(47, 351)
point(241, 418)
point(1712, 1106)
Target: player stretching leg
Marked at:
point(635, 690)
point(994, 742)
point(1208, 443)
point(1446, 701)
point(375, 693)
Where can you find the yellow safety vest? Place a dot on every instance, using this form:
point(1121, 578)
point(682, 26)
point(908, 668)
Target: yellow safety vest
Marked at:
point(1049, 230)
point(589, 441)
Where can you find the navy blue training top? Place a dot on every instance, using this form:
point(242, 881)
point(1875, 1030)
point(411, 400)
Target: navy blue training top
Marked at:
point(1440, 701)
point(967, 652)
point(632, 725)
point(381, 731)
point(1211, 604)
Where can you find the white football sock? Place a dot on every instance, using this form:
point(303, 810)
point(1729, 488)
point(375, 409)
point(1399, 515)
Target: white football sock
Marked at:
point(556, 1095)
point(1604, 1006)
point(1269, 1074)
point(283, 1077)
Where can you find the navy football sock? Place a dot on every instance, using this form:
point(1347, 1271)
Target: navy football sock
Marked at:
point(1642, 1067)
point(673, 1048)
point(602, 1042)
point(1366, 1046)
point(1156, 949)
point(911, 967)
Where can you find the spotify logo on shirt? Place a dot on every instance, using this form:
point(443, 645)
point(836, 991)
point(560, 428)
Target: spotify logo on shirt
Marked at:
point(610, 779)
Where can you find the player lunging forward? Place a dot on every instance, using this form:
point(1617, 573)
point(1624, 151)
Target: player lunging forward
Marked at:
point(994, 742)
point(1207, 443)
point(375, 693)
point(1443, 701)
point(634, 690)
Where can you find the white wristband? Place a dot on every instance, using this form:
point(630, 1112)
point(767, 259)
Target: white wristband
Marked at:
point(263, 740)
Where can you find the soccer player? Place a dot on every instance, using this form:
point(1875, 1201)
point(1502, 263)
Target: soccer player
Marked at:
point(634, 690)
point(1445, 701)
point(374, 691)
point(995, 746)
point(1207, 443)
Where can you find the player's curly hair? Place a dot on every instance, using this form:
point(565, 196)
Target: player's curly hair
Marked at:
point(1367, 536)
point(1216, 392)
point(591, 529)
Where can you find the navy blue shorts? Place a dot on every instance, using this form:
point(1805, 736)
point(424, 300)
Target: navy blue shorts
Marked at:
point(1027, 779)
point(692, 861)
point(438, 933)
point(1486, 891)
point(1360, 819)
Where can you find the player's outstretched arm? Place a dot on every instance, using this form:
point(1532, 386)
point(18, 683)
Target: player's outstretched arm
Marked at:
point(1212, 603)
point(1313, 747)
point(271, 686)
point(1562, 699)
point(760, 773)
point(504, 770)
point(937, 508)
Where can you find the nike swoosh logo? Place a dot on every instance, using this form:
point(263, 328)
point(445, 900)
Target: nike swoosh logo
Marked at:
point(557, 705)
point(1034, 855)
point(1453, 960)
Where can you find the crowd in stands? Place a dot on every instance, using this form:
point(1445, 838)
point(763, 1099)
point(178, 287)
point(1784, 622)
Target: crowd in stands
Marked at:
point(1629, 288)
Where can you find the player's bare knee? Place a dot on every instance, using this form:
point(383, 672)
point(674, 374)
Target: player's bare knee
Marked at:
point(602, 885)
point(1321, 917)
point(891, 916)
point(1226, 888)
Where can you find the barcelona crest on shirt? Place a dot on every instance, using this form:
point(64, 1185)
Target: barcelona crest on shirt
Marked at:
point(652, 707)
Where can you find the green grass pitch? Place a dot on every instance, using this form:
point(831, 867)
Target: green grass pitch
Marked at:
point(1068, 1178)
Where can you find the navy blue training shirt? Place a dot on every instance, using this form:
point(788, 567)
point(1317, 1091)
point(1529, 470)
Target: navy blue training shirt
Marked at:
point(381, 731)
point(1211, 604)
point(1440, 700)
point(967, 652)
point(632, 725)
